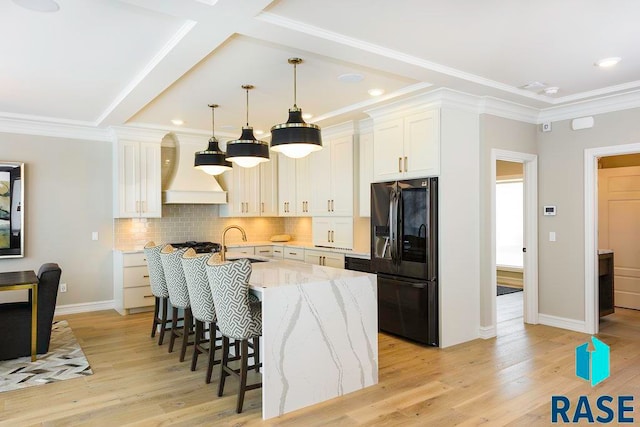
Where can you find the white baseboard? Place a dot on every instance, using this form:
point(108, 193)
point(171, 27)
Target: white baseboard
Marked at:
point(84, 307)
point(562, 322)
point(487, 332)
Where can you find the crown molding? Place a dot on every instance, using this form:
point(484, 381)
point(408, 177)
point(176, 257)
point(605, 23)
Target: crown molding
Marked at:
point(342, 129)
point(509, 110)
point(48, 126)
point(607, 104)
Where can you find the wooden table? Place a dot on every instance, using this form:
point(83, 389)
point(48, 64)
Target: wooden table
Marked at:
point(18, 280)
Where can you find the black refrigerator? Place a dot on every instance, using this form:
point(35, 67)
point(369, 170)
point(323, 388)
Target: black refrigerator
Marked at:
point(404, 254)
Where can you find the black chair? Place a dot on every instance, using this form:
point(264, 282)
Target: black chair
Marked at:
point(15, 318)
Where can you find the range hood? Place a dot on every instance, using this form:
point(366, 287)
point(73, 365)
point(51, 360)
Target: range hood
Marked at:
point(181, 182)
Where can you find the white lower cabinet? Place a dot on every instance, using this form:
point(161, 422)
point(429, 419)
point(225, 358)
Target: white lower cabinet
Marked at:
point(132, 289)
point(266, 250)
point(244, 250)
point(333, 232)
point(328, 259)
point(296, 254)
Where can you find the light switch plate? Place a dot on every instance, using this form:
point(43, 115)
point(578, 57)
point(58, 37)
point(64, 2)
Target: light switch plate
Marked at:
point(552, 236)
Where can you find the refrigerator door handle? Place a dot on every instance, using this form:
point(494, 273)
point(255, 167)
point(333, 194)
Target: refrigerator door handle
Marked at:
point(398, 219)
point(392, 222)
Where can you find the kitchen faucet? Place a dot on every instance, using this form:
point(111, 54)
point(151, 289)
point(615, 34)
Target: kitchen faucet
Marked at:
point(224, 237)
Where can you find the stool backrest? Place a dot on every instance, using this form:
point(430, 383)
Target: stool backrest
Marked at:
point(156, 272)
point(230, 289)
point(174, 274)
point(195, 273)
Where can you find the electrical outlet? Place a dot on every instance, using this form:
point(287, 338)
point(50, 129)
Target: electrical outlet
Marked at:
point(63, 287)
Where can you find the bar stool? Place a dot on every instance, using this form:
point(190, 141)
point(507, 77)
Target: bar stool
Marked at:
point(158, 289)
point(202, 308)
point(237, 319)
point(178, 295)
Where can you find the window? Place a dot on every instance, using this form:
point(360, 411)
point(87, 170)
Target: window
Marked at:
point(509, 223)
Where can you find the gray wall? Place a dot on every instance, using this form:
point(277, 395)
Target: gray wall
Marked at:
point(68, 195)
point(504, 134)
point(561, 183)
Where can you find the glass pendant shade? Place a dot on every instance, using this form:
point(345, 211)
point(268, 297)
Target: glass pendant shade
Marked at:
point(247, 151)
point(295, 138)
point(212, 160)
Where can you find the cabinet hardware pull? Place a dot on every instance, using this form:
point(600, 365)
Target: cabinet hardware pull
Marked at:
point(328, 236)
point(328, 205)
point(332, 201)
point(332, 236)
point(144, 259)
point(399, 164)
point(148, 296)
point(263, 252)
point(406, 164)
point(293, 253)
point(146, 276)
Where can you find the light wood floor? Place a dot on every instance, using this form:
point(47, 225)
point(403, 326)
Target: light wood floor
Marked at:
point(503, 381)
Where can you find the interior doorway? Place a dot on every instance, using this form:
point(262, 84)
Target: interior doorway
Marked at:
point(509, 244)
point(620, 205)
point(528, 244)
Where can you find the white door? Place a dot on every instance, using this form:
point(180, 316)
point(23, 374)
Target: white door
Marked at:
point(128, 179)
point(619, 230)
point(321, 231)
point(303, 187)
point(388, 150)
point(342, 233)
point(320, 172)
point(286, 186)
point(150, 177)
point(251, 189)
point(334, 260)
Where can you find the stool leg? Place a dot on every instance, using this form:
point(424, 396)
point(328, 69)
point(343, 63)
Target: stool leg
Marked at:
point(223, 364)
point(212, 350)
point(244, 351)
point(187, 327)
point(196, 344)
point(256, 353)
point(174, 328)
point(156, 312)
point(163, 320)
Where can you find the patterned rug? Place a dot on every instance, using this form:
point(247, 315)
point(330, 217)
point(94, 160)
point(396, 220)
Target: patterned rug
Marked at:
point(64, 361)
point(504, 290)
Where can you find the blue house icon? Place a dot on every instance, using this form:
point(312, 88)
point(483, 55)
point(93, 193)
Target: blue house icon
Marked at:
point(593, 365)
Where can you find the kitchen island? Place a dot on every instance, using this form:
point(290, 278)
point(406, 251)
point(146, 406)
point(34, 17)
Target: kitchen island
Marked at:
point(320, 333)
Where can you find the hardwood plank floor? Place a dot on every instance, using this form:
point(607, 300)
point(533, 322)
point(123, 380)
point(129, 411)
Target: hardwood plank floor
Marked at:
point(504, 381)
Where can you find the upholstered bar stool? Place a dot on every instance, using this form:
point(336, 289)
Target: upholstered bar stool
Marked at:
point(237, 319)
point(178, 295)
point(202, 308)
point(158, 289)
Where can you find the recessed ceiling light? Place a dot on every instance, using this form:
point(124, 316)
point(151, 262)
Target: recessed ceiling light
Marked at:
point(177, 122)
point(551, 90)
point(608, 62)
point(259, 132)
point(375, 92)
point(351, 77)
point(39, 5)
point(307, 116)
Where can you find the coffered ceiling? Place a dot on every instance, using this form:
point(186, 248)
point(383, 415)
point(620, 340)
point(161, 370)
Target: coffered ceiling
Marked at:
point(146, 62)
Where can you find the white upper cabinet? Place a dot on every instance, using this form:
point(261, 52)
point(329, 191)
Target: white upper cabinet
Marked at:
point(333, 232)
point(269, 187)
point(407, 147)
point(138, 186)
point(243, 191)
point(286, 186)
point(331, 171)
point(303, 186)
point(366, 172)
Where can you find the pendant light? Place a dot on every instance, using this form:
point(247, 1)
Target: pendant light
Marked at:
point(212, 160)
point(295, 138)
point(247, 151)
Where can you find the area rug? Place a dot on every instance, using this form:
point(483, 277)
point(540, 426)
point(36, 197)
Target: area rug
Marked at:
point(503, 290)
point(64, 361)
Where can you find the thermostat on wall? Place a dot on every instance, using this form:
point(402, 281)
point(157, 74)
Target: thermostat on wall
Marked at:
point(549, 210)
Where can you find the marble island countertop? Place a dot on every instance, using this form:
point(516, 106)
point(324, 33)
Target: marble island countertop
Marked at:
point(304, 245)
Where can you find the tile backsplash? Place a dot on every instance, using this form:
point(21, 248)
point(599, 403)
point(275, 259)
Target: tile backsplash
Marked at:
point(180, 223)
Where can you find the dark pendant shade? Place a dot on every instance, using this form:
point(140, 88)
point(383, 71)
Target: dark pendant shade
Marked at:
point(212, 160)
point(247, 151)
point(296, 138)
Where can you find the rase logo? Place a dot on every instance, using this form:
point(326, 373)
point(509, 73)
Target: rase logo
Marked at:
point(592, 365)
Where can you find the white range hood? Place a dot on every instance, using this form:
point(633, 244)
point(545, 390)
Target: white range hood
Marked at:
point(181, 182)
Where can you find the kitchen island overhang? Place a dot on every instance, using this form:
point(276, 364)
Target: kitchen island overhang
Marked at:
point(320, 333)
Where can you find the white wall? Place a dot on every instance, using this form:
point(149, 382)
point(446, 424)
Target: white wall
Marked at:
point(561, 183)
point(68, 195)
point(459, 227)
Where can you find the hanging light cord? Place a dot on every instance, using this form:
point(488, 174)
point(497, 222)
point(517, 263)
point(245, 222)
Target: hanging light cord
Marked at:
point(295, 85)
point(213, 121)
point(247, 107)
